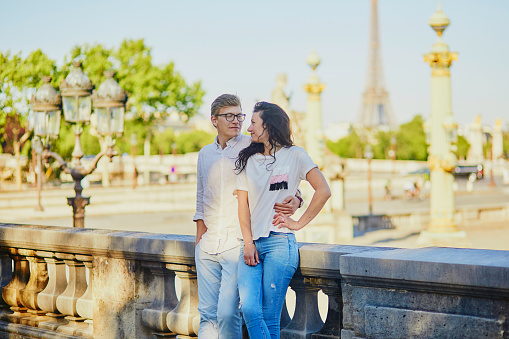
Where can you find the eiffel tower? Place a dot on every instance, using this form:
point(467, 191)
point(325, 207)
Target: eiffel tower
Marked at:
point(376, 109)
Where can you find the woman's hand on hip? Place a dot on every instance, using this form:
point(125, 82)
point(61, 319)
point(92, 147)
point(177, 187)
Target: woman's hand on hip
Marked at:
point(282, 220)
point(250, 255)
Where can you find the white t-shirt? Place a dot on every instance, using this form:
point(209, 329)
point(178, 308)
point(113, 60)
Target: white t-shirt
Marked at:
point(268, 183)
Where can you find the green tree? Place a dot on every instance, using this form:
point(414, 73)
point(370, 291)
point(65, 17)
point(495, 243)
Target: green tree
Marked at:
point(350, 146)
point(462, 147)
point(154, 91)
point(383, 144)
point(505, 137)
point(193, 141)
point(411, 140)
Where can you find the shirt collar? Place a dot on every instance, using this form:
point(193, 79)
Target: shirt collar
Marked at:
point(230, 143)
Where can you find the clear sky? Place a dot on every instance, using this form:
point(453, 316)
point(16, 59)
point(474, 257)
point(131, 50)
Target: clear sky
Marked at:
point(240, 46)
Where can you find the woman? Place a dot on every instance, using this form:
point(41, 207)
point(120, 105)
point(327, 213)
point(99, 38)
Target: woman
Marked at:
point(269, 170)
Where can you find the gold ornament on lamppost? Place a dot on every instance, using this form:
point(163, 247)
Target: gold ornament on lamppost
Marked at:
point(441, 136)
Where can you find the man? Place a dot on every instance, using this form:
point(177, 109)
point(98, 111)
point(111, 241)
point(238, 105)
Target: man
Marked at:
point(217, 224)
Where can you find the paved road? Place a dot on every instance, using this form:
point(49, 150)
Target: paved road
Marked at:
point(156, 216)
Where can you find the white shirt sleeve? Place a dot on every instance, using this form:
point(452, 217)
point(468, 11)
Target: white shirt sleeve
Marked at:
point(305, 165)
point(199, 189)
point(241, 182)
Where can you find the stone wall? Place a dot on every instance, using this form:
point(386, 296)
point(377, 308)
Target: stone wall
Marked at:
point(123, 285)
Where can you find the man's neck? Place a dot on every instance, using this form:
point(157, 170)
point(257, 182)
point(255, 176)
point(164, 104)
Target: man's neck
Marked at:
point(222, 140)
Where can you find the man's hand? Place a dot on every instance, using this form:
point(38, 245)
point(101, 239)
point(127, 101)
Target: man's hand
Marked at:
point(282, 220)
point(288, 206)
point(250, 255)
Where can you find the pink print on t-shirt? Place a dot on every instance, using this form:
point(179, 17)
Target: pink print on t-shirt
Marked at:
point(279, 182)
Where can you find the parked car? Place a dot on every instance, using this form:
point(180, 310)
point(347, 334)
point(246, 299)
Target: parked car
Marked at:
point(459, 171)
point(467, 170)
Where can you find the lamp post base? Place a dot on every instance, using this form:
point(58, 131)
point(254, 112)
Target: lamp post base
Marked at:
point(78, 208)
point(443, 239)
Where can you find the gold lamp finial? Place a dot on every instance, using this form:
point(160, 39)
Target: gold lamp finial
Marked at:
point(439, 21)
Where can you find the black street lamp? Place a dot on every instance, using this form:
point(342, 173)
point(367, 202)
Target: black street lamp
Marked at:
point(109, 103)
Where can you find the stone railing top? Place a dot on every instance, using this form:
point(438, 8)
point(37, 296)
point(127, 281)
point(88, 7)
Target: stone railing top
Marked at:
point(436, 266)
point(322, 260)
point(129, 245)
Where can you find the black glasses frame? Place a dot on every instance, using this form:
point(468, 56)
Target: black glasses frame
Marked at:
point(230, 117)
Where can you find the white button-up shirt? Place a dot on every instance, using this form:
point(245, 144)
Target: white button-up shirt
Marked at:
point(216, 204)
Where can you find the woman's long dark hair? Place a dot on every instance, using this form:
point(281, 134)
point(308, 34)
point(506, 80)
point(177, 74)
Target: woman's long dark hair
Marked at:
point(276, 124)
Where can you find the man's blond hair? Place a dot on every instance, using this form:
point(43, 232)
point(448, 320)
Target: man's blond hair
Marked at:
point(224, 100)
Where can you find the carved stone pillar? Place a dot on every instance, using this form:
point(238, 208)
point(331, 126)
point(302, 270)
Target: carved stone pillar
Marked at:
point(76, 287)
point(185, 319)
point(5, 276)
point(11, 292)
point(57, 284)
point(154, 317)
point(334, 322)
point(306, 319)
point(85, 304)
point(37, 282)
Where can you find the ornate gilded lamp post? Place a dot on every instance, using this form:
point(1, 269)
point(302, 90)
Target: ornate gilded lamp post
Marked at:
point(313, 121)
point(109, 102)
point(442, 229)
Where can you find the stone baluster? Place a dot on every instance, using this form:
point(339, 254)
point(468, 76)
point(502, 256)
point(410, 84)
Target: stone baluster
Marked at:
point(37, 282)
point(306, 319)
point(76, 287)
point(334, 322)
point(85, 304)
point(185, 319)
point(5, 276)
point(57, 283)
point(154, 316)
point(11, 292)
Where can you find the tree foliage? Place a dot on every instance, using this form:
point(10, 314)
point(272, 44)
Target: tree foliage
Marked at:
point(462, 147)
point(411, 140)
point(350, 146)
point(505, 146)
point(154, 92)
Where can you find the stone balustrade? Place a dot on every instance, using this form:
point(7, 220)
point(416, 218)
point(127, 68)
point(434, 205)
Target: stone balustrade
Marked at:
point(74, 283)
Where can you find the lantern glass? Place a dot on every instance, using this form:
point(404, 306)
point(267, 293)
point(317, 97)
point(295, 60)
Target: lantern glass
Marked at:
point(70, 110)
point(85, 106)
point(103, 123)
point(117, 119)
point(39, 122)
point(53, 123)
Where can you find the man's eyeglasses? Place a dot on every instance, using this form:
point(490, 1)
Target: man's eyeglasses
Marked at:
point(231, 116)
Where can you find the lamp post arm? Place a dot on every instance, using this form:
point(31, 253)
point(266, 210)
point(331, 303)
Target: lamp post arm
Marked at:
point(61, 163)
point(109, 152)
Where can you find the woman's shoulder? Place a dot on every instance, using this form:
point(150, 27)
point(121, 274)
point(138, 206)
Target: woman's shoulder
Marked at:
point(295, 150)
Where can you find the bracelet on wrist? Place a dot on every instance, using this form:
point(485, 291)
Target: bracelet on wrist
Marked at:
point(249, 243)
point(301, 201)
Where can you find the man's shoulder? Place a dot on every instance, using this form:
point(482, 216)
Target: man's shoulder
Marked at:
point(208, 148)
point(245, 139)
point(242, 142)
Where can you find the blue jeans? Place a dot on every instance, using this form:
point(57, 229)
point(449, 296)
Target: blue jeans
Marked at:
point(218, 294)
point(263, 287)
